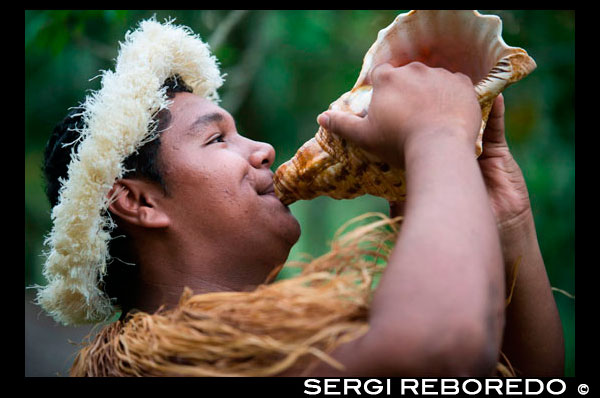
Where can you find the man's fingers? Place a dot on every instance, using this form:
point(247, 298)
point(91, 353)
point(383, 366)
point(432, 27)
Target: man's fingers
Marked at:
point(344, 124)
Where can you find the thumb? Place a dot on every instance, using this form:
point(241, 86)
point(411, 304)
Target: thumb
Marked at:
point(344, 124)
point(494, 129)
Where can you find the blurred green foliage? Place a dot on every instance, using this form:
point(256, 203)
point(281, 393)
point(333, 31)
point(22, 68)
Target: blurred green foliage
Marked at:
point(284, 68)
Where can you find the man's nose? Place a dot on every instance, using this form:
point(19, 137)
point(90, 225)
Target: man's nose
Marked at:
point(262, 155)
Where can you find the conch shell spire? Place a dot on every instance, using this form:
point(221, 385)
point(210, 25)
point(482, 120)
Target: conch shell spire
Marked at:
point(459, 41)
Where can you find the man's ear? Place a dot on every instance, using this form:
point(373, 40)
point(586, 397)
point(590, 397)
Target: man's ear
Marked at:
point(136, 202)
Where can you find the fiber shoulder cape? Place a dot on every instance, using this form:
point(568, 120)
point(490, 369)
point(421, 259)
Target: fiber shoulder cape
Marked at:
point(286, 326)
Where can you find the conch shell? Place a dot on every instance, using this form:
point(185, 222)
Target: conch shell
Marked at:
point(459, 41)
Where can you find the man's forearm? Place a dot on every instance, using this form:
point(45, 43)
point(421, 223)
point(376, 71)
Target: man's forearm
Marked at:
point(446, 269)
point(533, 338)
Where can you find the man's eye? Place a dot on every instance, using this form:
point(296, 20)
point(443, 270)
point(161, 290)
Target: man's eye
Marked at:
point(217, 138)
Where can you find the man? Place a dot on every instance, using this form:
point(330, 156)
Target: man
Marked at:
point(210, 221)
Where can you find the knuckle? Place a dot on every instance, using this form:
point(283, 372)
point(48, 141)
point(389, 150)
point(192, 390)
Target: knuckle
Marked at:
point(463, 78)
point(417, 65)
point(380, 73)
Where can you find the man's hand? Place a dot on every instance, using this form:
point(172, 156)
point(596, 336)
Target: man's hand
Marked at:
point(410, 103)
point(445, 274)
point(507, 190)
point(504, 180)
point(533, 340)
point(503, 177)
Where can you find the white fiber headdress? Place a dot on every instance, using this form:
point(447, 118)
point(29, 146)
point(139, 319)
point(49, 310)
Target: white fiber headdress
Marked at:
point(118, 119)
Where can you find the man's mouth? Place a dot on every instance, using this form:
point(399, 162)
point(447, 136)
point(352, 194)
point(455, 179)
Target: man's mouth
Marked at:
point(266, 188)
point(269, 190)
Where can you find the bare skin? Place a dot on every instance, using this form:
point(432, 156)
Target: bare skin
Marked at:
point(212, 228)
point(439, 308)
point(533, 337)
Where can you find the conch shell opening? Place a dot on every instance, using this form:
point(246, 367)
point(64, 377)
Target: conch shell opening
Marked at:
point(460, 41)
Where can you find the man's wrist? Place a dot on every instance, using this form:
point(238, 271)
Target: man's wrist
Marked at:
point(428, 141)
point(519, 226)
point(518, 238)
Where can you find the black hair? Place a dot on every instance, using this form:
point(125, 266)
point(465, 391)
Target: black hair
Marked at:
point(144, 164)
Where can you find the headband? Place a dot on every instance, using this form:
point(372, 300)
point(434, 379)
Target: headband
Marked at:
point(117, 120)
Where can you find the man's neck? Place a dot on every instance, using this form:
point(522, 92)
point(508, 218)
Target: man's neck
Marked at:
point(152, 295)
point(168, 266)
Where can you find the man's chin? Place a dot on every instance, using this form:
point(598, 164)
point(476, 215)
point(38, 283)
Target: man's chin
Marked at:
point(279, 215)
point(288, 228)
point(293, 231)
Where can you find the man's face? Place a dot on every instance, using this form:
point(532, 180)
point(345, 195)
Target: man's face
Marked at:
point(220, 186)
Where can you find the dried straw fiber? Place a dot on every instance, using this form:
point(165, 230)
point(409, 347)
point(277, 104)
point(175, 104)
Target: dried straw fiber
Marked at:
point(287, 325)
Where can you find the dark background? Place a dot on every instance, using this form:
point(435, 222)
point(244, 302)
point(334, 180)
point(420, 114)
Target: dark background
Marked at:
point(284, 68)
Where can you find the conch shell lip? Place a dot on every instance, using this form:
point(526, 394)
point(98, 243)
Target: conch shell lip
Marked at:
point(482, 30)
